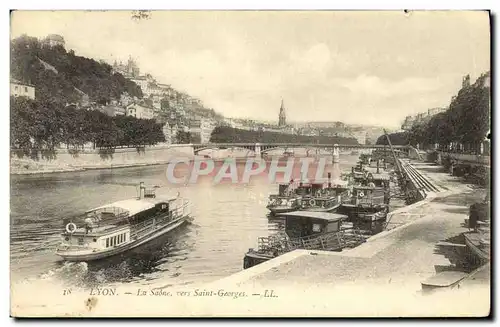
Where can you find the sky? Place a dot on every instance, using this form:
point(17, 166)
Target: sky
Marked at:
point(358, 67)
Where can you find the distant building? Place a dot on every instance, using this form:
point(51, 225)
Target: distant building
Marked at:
point(19, 89)
point(140, 111)
point(282, 115)
point(129, 70)
point(435, 111)
point(466, 81)
point(408, 123)
point(53, 40)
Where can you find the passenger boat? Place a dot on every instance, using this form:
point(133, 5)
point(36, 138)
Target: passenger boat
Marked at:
point(305, 230)
point(117, 227)
point(367, 203)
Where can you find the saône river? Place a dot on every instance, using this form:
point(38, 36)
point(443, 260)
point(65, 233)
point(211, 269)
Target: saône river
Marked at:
point(228, 219)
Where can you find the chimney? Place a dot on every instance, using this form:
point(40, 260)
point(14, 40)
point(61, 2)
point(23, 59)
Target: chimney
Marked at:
point(141, 190)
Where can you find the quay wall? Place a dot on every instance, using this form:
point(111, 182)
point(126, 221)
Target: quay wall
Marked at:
point(69, 160)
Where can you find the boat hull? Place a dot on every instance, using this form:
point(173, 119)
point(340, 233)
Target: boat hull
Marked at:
point(79, 256)
point(473, 246)
point(254, 258)
point(321, 209)
point(278, 210)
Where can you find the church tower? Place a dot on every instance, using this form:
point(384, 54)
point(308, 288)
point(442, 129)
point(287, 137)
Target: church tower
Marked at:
point(282, 116)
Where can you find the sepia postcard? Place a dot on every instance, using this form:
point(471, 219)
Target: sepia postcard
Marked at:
point(250, 163)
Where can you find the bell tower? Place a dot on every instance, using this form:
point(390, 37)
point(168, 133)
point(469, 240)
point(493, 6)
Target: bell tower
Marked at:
point(282, 116)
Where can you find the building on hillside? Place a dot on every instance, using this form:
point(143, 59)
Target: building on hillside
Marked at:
point(422, 118)
point(484, 80)
point(140, 111)
point(126, 99)
point(53, 40)
point(156, 100)
point(435, 111)
point(167, 132)
point(113, 110)
point(203, 128)
point(129, 70)
point(19, 89)
point(282, 115)
point(466, 81)
point(408, 123)
point(142, 82)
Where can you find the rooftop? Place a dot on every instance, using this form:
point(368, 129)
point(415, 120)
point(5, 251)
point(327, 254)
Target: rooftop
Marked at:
point(133, 206)
point(15, 81)
point(55, 37)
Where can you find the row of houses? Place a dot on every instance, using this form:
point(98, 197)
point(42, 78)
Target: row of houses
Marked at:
point(420, 118)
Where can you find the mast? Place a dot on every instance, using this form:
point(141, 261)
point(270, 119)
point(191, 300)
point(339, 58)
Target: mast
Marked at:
point(396, 161)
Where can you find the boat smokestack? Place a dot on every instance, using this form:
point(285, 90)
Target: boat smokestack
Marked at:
point(329, 179)
point(141, 190)
point(378, 166)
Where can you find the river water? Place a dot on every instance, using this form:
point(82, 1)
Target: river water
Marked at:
point(228, 219)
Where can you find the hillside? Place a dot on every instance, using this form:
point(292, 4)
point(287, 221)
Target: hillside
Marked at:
point(59, 75)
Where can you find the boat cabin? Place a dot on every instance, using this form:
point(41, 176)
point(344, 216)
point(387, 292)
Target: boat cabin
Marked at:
point(366, 195)
point(311, 189)
point(310, 223)
point(378, 180)
point(284, 201)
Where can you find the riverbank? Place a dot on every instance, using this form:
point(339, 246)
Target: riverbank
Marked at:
point(65, 160)
point(398, 259)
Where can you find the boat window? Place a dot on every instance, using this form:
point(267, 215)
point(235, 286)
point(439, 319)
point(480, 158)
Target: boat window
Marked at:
point(107, 242)
point(333, 226)
point(316, 228)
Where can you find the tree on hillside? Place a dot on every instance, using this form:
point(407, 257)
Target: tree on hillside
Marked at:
point(464, 125)
point(32, 62)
